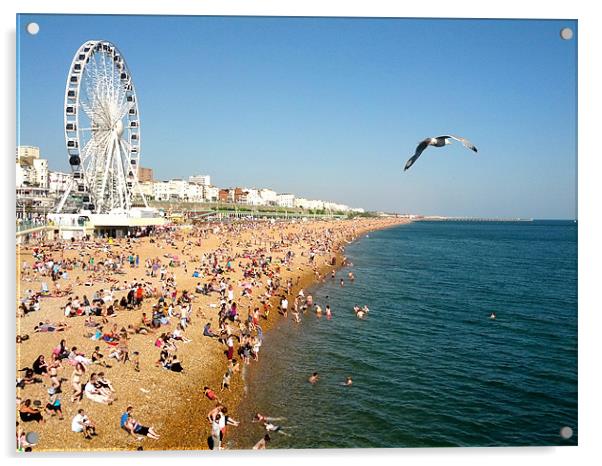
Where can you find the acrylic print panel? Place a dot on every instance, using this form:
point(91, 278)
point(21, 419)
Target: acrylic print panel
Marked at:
point(270, 232)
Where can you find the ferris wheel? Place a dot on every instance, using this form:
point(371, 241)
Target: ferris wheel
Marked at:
point(102, 130)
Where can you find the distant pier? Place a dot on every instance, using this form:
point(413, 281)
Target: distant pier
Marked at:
point(471, 219)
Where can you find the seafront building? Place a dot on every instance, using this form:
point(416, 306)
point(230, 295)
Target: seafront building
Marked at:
point(40, 189)
point(145, 175)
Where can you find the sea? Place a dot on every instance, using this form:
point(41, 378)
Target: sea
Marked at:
point(429, 366)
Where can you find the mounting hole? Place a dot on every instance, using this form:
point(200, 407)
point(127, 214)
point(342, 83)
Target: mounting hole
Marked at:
point(33, 28)
point(566, 433)
point(566, 33)
point(32, 437)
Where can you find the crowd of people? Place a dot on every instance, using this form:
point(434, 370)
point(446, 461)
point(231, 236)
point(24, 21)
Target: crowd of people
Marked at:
point(121, 304)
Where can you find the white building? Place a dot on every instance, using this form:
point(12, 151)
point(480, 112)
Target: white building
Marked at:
point(19, 176)
point(176, 190)
point(34, 170)
point(146, 188)
point(204, 180)
point(285, 200)
point(308, 204)
point(210, 193)
point(58, 182)
point(269, 196)
point(334, 207)
point(40, 173)
point(253, 197)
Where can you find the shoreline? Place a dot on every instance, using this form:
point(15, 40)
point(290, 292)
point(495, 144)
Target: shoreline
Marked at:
point(308, 282)
point(178, 407)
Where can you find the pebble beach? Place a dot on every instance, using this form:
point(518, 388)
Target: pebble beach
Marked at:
point(253, 264)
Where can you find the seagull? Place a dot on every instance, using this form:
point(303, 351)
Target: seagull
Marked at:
point(439, 141)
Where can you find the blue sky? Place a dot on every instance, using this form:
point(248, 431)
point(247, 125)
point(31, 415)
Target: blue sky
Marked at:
point(332, 108)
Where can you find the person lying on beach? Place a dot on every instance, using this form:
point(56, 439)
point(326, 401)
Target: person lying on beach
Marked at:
point(77, 356)
point(211, 394)
point(28, 378)
point(44, 327)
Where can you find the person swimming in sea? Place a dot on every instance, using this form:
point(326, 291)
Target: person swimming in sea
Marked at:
point(268, 424)
point(492, 316)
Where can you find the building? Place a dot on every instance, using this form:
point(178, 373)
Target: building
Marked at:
point(146, 188)
point(176, 190)
point(25, 154)
point(210, 193)
point(285, 200)
point(224, 195)
point(240, 196)
point(269, 196)
point(308, 204)
point(253, 198)
point(19, 175)
point(145, 174)
point(204, 180)
point(34, 170)
point(58, 182)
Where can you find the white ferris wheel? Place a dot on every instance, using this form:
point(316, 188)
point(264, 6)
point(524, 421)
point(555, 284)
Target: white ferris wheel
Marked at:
point(102, 130)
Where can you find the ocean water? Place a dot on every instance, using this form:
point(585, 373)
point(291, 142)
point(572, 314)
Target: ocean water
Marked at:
point(429, 367)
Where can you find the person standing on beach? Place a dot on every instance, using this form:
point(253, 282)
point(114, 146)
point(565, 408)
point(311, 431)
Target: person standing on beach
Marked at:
point(284, 306)
point(216, 432)
point(230, 344)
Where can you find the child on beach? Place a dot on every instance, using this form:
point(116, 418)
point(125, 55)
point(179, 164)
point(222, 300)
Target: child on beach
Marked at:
point(54, 403)
point(136, 361)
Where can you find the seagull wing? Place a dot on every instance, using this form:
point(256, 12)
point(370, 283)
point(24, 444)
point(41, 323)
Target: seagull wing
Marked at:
point(465, 142)
point(419, 150)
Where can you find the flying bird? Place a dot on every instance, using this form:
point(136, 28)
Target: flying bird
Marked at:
point(439, 141)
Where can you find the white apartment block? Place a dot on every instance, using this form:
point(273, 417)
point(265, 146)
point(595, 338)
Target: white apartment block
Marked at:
point(147, 189)
point(204, 180)
point(269, 196)
point(210, 193)
point(308, 204)
point(40, 175)
point(35, 174)
point(285, 200)
point(177, 190)
point(19, 176)
point(253, 197)
point(58, 182)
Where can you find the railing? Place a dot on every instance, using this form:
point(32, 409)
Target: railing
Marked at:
point(22, 226)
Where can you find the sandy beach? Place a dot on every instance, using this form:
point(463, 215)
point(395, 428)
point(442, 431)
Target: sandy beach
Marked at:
point(251, 256)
